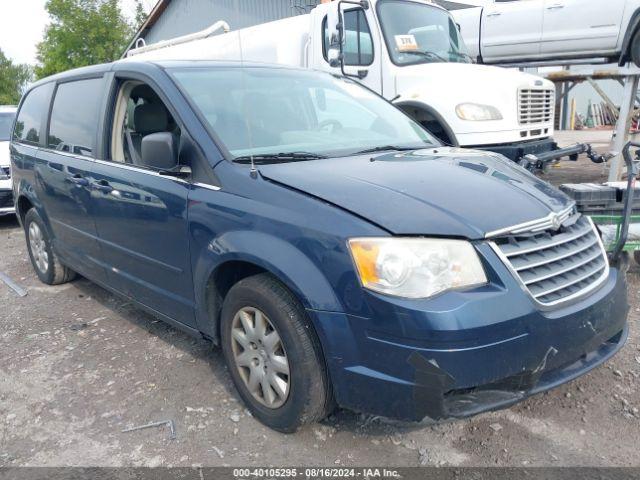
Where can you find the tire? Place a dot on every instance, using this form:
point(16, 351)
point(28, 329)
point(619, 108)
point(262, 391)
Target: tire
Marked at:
point(634, 49)
point(43, 259)
point(305, 393)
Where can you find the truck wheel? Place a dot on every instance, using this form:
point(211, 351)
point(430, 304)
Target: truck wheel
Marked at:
point(273, 354)
point(635, 49)
point(44, 261)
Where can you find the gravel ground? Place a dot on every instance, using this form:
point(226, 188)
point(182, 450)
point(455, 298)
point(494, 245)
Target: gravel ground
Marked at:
point(78, 365)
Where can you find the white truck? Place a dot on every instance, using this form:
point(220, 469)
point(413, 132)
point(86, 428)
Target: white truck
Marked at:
point(410, 52)
point(7, 115)
point(544, 30)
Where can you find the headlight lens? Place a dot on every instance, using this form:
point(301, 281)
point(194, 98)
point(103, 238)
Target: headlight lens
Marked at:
point(477, 113)
point(416, 267)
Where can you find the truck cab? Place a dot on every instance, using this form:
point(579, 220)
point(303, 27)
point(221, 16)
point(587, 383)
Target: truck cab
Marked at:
point(412, 53)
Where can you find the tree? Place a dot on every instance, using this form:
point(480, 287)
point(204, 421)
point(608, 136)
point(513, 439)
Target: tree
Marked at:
point(13, 80)
point(82, 32)
point(140, 15)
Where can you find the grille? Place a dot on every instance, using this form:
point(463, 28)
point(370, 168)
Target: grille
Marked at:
point(557, 266)
point(6, 199)
point(535, 105)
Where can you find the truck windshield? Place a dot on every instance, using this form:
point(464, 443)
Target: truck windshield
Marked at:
point(284, 114)
point(6, 121)
point(420, 33)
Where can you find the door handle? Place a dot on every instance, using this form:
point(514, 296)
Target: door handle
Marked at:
point(79, 180)
point(494, 14)
point(557, 6)
point(102, 186)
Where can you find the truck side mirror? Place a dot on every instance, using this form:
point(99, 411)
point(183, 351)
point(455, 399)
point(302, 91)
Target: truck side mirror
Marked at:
point(334, 31)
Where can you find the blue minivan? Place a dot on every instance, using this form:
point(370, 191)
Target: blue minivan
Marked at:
point(335, 250)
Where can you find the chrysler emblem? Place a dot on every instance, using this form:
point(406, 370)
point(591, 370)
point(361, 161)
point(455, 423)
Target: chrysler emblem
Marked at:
point(555, 222)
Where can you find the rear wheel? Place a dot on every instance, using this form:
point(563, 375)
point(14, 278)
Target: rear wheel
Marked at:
point(273, 355)
point(44, 261)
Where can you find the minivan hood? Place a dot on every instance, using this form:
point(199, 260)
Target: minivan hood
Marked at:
point(4, 154)
point(439, 191)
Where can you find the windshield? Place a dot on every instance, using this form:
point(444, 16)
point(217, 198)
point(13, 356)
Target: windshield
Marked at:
point(419, 33)
point(262, 111)
point(6, 122)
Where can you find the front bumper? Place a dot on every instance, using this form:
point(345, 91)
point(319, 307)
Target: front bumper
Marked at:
point(471, 352)
point(517, 150)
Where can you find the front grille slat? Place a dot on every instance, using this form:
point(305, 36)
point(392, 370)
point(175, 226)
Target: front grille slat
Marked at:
point(537, 243)
point(535, 105)
point(589, 244)
point(555, 272)
point(555, 266)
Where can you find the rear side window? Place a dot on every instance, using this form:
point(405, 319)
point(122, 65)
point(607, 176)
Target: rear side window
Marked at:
point(74, 117)
point(32, 113)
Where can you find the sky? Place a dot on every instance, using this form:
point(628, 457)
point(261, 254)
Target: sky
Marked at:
point(22, 24)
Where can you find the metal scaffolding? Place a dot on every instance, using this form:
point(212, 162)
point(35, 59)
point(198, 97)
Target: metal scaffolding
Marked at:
point(629, 108)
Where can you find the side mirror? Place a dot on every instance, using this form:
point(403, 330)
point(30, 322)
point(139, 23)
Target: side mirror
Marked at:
point(334, 30)
point(159, 151)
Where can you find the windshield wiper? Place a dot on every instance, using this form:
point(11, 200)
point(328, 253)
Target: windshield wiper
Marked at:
point(427, 54)
point(283, 156)
point(384, 148)
point(461, 55)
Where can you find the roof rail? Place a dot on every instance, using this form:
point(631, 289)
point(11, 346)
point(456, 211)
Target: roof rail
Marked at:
point(141, 47)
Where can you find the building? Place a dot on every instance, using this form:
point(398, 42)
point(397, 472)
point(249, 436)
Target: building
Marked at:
point(173, 18)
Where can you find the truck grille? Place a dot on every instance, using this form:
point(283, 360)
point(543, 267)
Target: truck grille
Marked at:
point(535, 105)
point(6, 199)
point(556, 266)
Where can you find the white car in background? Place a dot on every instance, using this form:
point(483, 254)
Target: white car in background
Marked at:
point(7, 114)
point(509, 31)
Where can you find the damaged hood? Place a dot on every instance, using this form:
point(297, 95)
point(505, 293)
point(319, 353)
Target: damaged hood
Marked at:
point(439, 191)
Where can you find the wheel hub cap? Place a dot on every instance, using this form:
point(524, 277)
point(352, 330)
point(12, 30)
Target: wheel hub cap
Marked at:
point(260, 357)
point(38, 247)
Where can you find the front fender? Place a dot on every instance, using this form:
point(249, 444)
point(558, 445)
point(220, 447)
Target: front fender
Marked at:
point(280, 258)
point(434, 113)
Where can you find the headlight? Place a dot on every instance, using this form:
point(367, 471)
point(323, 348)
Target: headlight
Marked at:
point(416, 267)
point(477, 112)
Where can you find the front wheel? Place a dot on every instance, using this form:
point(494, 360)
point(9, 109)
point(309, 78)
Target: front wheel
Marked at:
point(273, 354)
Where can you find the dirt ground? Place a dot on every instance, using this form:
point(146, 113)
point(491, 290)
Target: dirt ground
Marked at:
point(78, 365)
